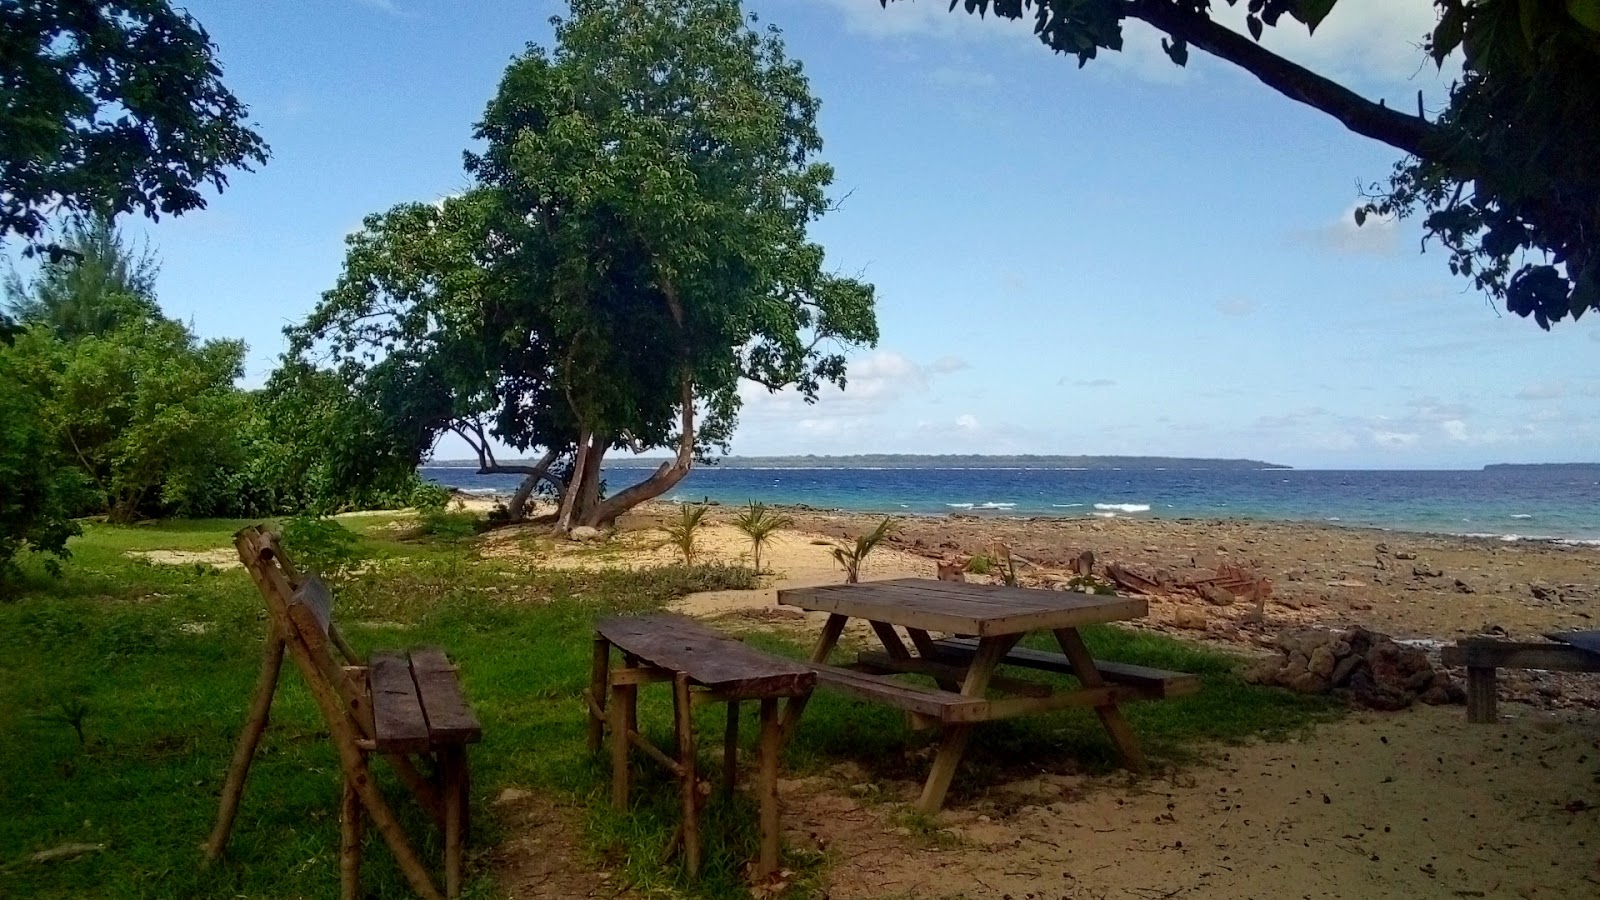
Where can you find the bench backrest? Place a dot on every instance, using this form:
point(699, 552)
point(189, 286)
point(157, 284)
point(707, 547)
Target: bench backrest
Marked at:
point(301, 608)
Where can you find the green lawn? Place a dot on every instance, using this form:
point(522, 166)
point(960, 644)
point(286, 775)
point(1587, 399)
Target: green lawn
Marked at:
point(155, 664)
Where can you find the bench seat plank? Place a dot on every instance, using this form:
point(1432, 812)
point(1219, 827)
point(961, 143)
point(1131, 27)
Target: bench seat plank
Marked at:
point(450, 719)
point(931, 702)
point(711, 660)
point(398, 725)
point(1157, 683)
point(1490, 653)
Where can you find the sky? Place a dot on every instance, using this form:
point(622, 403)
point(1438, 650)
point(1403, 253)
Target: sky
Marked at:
point(1129, 258)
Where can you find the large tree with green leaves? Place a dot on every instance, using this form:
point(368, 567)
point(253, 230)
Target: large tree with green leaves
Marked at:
point(101, 283)
point(634, 246)
point(1507, 178)
point(109, 107)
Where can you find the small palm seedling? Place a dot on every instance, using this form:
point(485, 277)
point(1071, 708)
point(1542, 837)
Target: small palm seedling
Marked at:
point(759, 524)
point(852, 557)
point(682, 533)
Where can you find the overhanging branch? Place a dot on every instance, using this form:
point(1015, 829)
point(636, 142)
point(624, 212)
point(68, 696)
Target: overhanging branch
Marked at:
point(1357, 113)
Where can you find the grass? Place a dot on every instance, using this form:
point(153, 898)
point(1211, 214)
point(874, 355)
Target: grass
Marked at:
point(156, 663)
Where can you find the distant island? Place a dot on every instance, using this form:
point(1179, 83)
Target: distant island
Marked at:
point(1583, 467)
point(943, 461)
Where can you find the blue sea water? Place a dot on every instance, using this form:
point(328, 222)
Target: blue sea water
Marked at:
point(1507, 503)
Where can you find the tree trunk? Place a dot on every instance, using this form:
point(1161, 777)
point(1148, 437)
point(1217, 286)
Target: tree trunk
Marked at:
point(661, 480)
point(574, 490)
point(590, 496)
point(517, 509)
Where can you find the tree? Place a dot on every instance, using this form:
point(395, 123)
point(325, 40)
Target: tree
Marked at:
point(39, 487)
point(1510, 168)
point(100, 283)
point(633, 246)
point(111, 106)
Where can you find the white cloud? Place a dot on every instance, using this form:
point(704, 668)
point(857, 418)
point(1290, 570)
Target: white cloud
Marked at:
point(1550, 390)
point(967, 422)
point(1379, 236)
point(944, 365)
point(1394, 438)
point(873, 384)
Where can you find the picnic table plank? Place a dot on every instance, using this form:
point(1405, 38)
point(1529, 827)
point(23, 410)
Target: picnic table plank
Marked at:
point(969, 609)
point(450, 720)
point(1161, 682)
point(398, 724)
point(713, 661)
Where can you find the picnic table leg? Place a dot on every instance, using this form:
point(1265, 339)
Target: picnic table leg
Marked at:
point(819, 654)
point(621, 701)
point(683, 715)
point(991, 650)
point(455, 815)
point(926, 650)
point(1481, 694)
point(350, 828)
point(767, 787)
point(249, 738)
point(1110, 716)
point(599, 676)
point(730, 750)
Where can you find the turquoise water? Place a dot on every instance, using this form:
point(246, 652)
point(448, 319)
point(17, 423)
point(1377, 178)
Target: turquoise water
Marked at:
point(1507, 503)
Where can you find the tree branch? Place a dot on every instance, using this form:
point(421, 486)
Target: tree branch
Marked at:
point(1357, 113)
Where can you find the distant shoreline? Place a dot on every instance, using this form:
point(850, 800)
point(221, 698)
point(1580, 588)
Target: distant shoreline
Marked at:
point(938, 461)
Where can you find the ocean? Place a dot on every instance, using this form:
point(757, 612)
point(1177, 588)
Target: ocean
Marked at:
point(1512, 503)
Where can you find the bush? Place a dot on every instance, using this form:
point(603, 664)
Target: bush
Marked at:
point(451, 526)
point(320, 544)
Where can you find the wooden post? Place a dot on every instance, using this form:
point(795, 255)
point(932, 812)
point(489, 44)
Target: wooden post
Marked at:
point(620, 726)
point(1110, 716)
point(991, 650)
point(1481, 694)
point(767, 786)
point(730, 750)
point(454, 764)
point(683, 714)
point(599, 675)
point(350, 828)
point(819, 654)
point(255, 723)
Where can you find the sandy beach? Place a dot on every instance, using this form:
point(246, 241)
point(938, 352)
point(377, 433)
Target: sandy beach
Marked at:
point(1416, 803)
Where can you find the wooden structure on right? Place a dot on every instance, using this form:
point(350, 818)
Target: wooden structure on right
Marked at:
point(1578, 651)
point(985, 623)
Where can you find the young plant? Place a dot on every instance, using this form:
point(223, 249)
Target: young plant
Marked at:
point(320, 544)
point(852, 557)
point(683, 532)
point(759, 524)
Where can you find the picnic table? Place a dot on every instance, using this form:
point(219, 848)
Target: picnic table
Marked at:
point(985, 623)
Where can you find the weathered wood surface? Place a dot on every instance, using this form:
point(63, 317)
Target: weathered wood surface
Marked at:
point(711, 660)
point(1491, 653)
point(398, 723)
point(1160, 683)
point(970, 609)
point(926, 701)
point(450, 719)
point(945, 673)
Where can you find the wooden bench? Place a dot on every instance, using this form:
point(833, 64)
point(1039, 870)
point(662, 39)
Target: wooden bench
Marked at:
point(703, 667)
point(1155, 684)
point(1482, 656)
point(407, 707)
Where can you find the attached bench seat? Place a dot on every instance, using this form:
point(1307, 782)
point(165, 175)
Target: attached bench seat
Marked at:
point(1156, 684)
point(1482, 656)
point(931, 703)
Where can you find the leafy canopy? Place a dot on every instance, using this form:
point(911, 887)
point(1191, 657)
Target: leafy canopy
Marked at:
point(1507, 178)
point(111, 106)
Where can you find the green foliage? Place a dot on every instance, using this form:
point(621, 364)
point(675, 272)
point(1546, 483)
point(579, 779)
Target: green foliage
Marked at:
point(42, 488)
point(322, 545)
point(980, 565)
point(450, 526)
point(759, 524)
point(112, 106)
point(634, 243)
point(853, 556)
point(103, 285)
point(683, 532)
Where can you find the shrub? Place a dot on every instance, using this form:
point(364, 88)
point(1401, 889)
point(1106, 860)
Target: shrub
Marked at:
point(853, 556)
point(683, 532)
point(320, 544)
point(759, 524)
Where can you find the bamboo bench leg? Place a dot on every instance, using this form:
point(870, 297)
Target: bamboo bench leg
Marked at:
point(255, 724)
point(683, 715)
point(350, 829)
point(621, 701)
point(454, 760)
point(1481, 694)
point(599, 677)
point(767, 787)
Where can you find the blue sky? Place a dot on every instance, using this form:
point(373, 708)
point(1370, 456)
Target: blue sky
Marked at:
point(1128, 258)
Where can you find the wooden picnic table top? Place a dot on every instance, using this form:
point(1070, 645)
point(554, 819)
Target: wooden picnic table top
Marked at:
point(981, 610)
point(712, 660)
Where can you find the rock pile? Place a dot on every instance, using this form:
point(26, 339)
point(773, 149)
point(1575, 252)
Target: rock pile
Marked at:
point(1362, 666)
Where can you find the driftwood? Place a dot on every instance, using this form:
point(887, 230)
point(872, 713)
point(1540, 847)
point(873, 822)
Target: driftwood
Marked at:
point(1243, 582)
